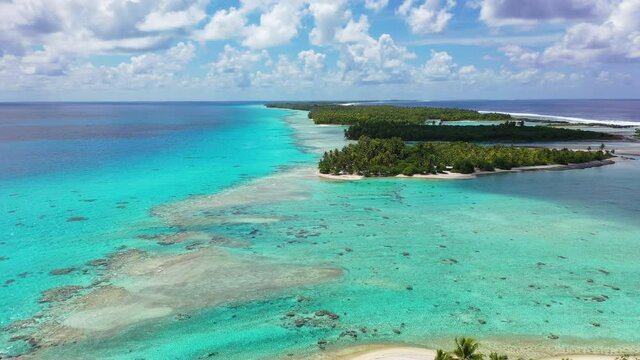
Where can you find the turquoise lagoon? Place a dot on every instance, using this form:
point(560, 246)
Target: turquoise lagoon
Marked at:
point(532, 264)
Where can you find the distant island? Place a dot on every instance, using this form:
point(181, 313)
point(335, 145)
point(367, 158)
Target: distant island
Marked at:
point(382, 130)
point(337, 114)
point(428, 124)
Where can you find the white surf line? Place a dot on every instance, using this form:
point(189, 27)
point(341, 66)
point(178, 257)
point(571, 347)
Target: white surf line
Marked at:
point(565, 118)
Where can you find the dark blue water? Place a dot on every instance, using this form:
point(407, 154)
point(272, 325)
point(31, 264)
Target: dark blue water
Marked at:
point(109, 165)
point(39, 138)
point(617, 111)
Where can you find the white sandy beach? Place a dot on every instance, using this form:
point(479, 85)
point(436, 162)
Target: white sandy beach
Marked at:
point(442, 176)
point(377, 352)
point(398, 352)
point(340, 177)
point(458, 176)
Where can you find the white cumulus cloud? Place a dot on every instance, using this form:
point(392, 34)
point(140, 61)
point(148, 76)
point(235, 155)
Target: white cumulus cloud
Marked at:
point(235, 67)
point(376, 5)
point(614, 40)
point(224, 24)
point(432, 16)
point(277, 26)
point(439, 67)
point(375, 61)
point(329, 16)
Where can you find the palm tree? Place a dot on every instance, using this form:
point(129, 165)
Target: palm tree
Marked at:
point(466, 349)
point(442, 355)
point(495, 356)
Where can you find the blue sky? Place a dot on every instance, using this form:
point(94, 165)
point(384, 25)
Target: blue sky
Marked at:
point(318, 49)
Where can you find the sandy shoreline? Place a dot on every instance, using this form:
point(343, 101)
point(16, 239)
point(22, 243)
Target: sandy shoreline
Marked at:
point(459, 176)
point(406, 352)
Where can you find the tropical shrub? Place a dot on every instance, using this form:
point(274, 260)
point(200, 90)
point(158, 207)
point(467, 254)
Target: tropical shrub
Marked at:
point(467, 349)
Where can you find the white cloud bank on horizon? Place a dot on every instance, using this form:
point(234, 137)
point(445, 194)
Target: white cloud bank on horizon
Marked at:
point(615, 39)
point(336, 44)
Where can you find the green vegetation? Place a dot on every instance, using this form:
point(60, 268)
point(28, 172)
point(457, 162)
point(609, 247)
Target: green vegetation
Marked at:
point(390, 157)
point(466, 349)
point(582, 125)
point(508, 131)
point(443, 355)
point(334, 113)
point(637, 134)
point(496, 356)
point(305, 106)
point(352, 115)
point(408, 123)
point(381, 151)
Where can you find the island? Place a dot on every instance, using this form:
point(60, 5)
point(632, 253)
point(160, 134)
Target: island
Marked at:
point(386, 137)
point(430, 124)
point(390, 157)
point(509, 131)
point(343, 114)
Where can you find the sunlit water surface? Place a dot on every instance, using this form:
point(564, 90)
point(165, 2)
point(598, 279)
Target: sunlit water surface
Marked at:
point(546, 261)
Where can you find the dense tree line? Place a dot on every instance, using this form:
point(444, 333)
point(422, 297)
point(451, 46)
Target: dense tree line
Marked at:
point(389, 157)
point(503, 132)
point(305, 106)
point(334, 113)
point(352, 115)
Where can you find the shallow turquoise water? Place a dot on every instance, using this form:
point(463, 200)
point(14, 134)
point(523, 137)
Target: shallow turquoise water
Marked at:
point(117, 192)
point(515, 256)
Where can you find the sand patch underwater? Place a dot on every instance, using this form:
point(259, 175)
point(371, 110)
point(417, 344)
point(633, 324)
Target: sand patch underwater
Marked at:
point(142, 287)
point(205, 210)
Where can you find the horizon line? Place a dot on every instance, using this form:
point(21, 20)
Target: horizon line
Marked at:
point(300, 101)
